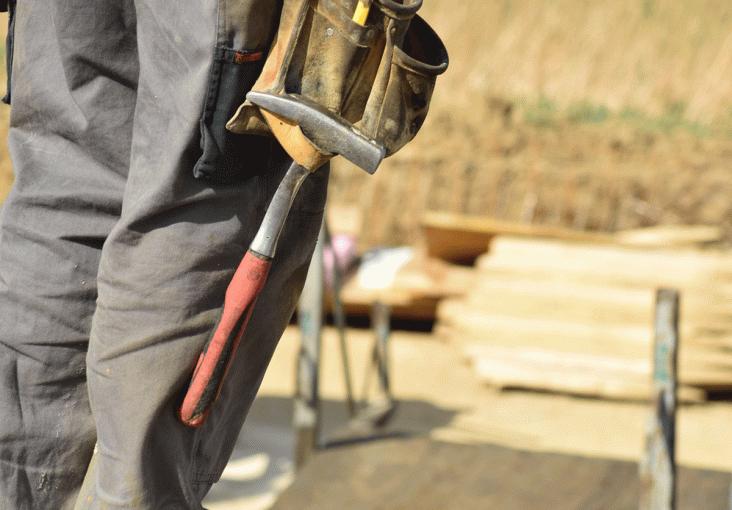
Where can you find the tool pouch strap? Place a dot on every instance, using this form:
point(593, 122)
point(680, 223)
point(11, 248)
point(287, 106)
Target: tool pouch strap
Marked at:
point(378, 77)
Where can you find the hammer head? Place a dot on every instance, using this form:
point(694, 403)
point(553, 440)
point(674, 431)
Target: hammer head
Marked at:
point(330, 133)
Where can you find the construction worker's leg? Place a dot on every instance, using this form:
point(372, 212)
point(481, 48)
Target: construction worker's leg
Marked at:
point(166, 264)
point(73, 93)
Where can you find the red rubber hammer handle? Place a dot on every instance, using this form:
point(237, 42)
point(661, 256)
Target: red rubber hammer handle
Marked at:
point(214, 361)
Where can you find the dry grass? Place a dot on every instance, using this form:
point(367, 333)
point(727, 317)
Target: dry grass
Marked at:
point(645, 55)
point(598, 115)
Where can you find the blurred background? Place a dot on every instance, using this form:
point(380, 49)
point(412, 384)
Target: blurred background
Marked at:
point(500, 277)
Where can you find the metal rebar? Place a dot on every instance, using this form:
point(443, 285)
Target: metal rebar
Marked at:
point(658, 466)
point(339, 319)
point(306, 416)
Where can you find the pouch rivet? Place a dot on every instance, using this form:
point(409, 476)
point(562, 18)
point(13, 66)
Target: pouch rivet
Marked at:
point(329, 31)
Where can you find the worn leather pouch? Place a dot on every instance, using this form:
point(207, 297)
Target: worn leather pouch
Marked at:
point(378, 77)
point(400, 102)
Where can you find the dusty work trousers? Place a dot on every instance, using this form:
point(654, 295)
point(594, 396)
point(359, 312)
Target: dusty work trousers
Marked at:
point(114, 258)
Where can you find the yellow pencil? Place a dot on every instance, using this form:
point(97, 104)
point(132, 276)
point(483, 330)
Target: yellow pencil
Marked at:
point(362, 12)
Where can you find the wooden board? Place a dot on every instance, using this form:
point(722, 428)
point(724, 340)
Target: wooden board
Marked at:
point(410, 308)
point(461, 239)
point(415, 292)
point(573, 320)
point(577, 373)
point(609, 264)
point(671, 236)
point(422, 474)
point(616, 303)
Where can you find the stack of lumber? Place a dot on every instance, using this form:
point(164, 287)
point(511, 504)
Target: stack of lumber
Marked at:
point(577, 316)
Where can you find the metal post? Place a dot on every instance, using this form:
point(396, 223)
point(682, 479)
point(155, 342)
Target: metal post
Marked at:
point(381, 323)
point(339, 319)
point(658, 467)
point(380, 411)
point(310, 318)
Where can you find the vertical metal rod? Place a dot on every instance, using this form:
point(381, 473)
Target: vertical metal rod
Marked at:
point(310, 318)
point(381, 322)
point(366, 387)
point(339, 318)
point(381, 326)
point(658, 467)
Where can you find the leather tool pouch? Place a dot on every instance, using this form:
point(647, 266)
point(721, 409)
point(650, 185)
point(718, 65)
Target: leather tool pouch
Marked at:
point(378, 77)
point(413, 58)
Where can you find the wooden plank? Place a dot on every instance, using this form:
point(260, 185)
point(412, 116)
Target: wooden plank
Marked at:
point(405, 308)
point(461, 238)
point(415, 292)
point(463, 321)
point(698, 371)
point(570, 373)
point(702, 310)
point(575, 318)
point(610, 264)
point(423, 474)
point(560, 306)
point(670, 236)
point(563, 373)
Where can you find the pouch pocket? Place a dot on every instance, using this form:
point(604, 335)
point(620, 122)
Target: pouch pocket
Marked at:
point(328, 66)
point(415, 65)
point(230, 157)
point(9, 7)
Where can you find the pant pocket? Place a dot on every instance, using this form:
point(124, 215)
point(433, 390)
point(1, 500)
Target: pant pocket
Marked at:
point(229, 157)
point(9, 7)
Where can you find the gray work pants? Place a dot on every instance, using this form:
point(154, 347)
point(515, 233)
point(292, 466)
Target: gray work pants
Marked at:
point(114, 257)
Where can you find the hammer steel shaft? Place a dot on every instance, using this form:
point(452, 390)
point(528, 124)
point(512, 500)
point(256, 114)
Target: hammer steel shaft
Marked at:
point(265, 242)
point(241, 296)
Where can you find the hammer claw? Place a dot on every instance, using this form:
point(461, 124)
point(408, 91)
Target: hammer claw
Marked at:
point(329, 132)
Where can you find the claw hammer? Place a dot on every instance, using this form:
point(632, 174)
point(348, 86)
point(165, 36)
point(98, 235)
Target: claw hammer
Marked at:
point(312, 135)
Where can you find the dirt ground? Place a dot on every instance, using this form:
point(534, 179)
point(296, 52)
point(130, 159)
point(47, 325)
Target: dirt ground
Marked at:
point(600, 176)
point(440, 397)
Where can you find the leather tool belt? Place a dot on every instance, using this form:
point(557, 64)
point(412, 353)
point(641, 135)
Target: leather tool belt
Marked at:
point(378, 77)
